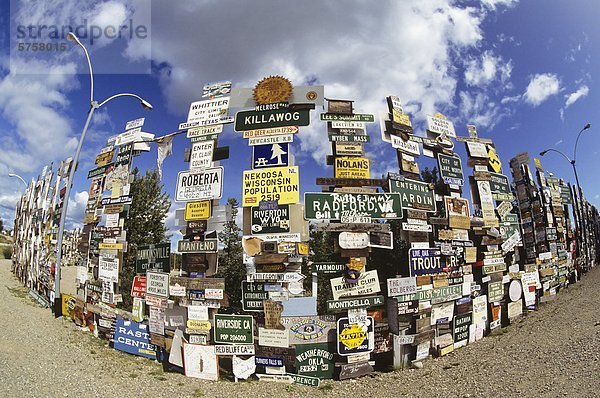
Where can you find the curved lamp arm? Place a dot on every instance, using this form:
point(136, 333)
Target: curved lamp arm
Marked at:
point(557, 151)
point(587, 126)
point(19, 177)
point(144, 103)
point(73, 38)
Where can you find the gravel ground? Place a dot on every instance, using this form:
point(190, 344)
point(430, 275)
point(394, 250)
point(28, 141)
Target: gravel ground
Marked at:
point(552, 352)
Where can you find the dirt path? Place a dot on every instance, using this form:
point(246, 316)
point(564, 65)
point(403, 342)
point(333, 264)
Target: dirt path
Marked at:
point(552, 352)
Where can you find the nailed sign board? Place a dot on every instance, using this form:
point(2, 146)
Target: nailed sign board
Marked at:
point(333, 206)
point(270, 131)
point(270, 221)
point(357, 138)
point(500, 187)
point(138, 286)
point(233, 329)
point(209, 111)
point(314, 360)
point(328, 268)
point(237, 349)
point(461, 328)
point(398, 286)
point(368, 283)
point(348, 149)
point(133, 337)
point(425, 261)
point(200, 210)
point(199, 246)
point(355, 338)
point(440, 126)
point(343, 305)
point(206, 184)
point(273, 337)
point(276, 139)
point(283, 117)
point(443, 293)
point(414, 194)
point(204, 131)
point(274, 183)
point(157, 284)
point(271, 155)
point(201, 155)
point(357, 117)
point(353, 240)
point(153, 257)
point(351, 167)
point(451, 169)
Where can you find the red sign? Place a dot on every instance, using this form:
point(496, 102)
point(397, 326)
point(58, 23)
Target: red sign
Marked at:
point(138, 287)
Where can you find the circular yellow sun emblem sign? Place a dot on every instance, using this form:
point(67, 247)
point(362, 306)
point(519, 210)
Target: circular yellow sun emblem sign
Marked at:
point(353, 336)
point(272, 89)
point(494, 160)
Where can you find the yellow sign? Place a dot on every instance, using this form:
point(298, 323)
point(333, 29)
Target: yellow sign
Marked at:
point(400, 118)
point(68, 305)
point(303, 249)
point(197, 210)
point(353, 336)
point(494, 160)
point(198, 325)
point(351, 167)
point(110, 246)
point(538, 164)
point(273, 183)
point(105, 158)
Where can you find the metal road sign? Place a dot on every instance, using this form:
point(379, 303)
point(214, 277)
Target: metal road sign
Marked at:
point(283, 117)
point(270, 155)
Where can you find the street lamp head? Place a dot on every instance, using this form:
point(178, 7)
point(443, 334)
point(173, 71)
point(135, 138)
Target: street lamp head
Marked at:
point(73, 38)
point(587, 126)
point(543, 152)
point(146, 104)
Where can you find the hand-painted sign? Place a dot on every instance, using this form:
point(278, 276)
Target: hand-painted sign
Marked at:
point(272, 155)
point(270, 221)
point(198, 210)
point(333, 206)
point(438, 125)
point(206, 184)
point(283, 117)
point(314, 360)
point(353, 338)
point(425, 261)
point(233, 329)
point(133, 337)
point(352, 370)
point(353, 240)
point(209, 111)
point(457, 210)
point(351, 167)
point(451, 169)
point(414, 194)
point(153, 257)
point(200, 361)
point(275, 183)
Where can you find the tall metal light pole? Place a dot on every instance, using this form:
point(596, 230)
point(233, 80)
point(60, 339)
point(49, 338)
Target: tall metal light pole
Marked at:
point(579, 191)
point(19, 177)
point(63, 215)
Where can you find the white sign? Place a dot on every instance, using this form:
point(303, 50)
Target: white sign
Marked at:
point(290, 237)
point(529, 281)
point(353, 240)
point(480, 311)
point(204, 130)
point(511, 242)
point(156, 320)
point(270, 131)
point(198, 313)
point(178, 291)
point(399, 286)
point(357, 315)
point(213, 294)
point(111, 220)
point(208, 111)
point(440, 126)
point(108, 269)
point(132, 124)
point(416, 227)
point(157, 284)
point(367, 283)
point(206, 184)
point(348, 125)
point(277, 276)
point(129, 136)
point(201, 155)
point(275, 139)
point(200, 361)
point(243, 368)
point(234, 349)
point(273, 337)
point(477, 150)
point(410, 147)
point(442, 313)
point(405, 339)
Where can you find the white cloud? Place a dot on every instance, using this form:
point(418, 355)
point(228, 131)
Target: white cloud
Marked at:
point(541, 87)
point(481, 72)
point(573, 97)
point(494, 4)
point(76, 208)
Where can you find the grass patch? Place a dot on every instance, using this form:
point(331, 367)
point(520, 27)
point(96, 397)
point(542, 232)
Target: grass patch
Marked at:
point(133, 375)
point(19, 292)
point(6, 252)
point(198, 393)
point(325, 387)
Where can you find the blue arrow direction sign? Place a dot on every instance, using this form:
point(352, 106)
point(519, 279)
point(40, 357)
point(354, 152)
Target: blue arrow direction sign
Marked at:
point(271, 155)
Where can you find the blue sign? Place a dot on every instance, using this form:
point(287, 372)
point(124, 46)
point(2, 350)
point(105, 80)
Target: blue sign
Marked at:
point(134, 338)
point(271, 155)
point(266, 361)
point(425, 262)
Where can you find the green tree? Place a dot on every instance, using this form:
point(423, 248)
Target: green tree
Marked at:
point(321, 250)
point(231, 263)
point(144, 224)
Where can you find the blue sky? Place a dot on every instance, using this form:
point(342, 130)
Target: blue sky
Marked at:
point(525, 73)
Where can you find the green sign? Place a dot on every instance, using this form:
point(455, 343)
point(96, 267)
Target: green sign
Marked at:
point(509, 226)
point(153, 258)
point(414, 194)
point(445, 292)
point(495, 292)
point(233, 329)
point(500, 187)
point(314, 360)
point(328, 268)
point(202, 138)
point(565, 194)
point(357, 117)
point(451, 169)
point(337, 206)
point(348, 138)
point(253, 294)
point(284, 117)
point(99, 171)
point(360, 302)
point(305, 380)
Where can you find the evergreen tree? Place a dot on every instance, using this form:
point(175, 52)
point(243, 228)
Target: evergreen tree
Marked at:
point(321, 250)
point(231, 264)
point(144, 224)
